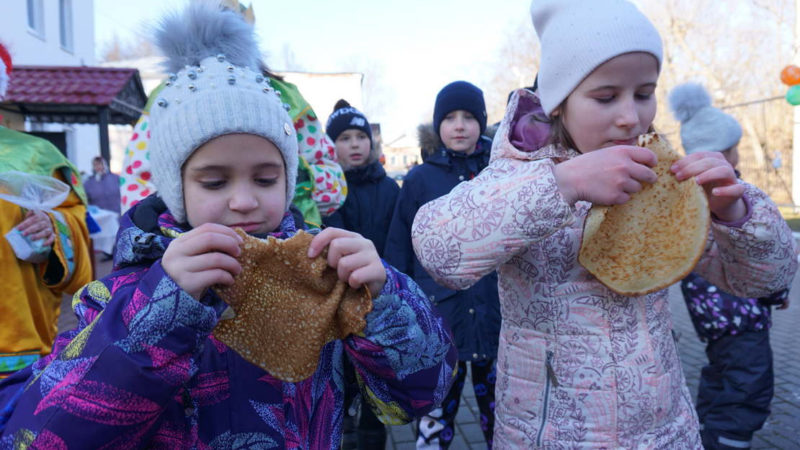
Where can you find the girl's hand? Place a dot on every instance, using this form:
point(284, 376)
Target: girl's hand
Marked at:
point(37, 225)
point(606, 176)
point(713, 172)
point(354, 257)
point(203, 257)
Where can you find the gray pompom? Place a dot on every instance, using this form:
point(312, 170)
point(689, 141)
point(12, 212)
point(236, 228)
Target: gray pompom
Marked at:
point(206, 29)
point(686, 99)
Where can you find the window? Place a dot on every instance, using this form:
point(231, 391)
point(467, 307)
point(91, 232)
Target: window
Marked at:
point(65, 21)
point(36, 17)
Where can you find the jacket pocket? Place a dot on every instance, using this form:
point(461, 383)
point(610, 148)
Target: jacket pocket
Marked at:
point(550, 382)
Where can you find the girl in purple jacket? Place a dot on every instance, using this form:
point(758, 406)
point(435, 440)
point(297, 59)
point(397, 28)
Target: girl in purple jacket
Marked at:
point(143, 369)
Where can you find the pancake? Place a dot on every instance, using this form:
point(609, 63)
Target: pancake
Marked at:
point(288, 306)
point(653, 240)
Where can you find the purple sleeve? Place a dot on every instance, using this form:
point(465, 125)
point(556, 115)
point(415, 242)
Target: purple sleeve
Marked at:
point(109, 383)
point(406, 359)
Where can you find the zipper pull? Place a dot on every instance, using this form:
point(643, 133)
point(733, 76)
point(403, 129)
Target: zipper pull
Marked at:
point(550, 372)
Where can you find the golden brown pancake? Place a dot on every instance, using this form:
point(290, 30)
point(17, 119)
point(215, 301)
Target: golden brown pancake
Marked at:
point(288, 306)
point(653, 240)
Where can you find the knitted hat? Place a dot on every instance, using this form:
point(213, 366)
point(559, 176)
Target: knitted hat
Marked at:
point(459, 95)
point(578, 35)
point(345, 117)
point(215, 89)
point(704, 128)
point(5, 70)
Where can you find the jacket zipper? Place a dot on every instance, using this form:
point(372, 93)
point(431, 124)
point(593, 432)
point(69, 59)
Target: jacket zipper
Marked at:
point(549, 380)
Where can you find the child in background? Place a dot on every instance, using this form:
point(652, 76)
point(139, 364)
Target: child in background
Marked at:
point(367, 211)
point(371, 194)
point(456, 152)
point(737, 384)
point(143, 369)
point(578, 365)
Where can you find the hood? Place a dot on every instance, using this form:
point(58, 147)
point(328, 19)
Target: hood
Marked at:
point(524, 102)
point(147, 228)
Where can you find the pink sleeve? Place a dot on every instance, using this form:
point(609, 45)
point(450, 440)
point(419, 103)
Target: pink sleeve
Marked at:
point(330, 188)
point(482, 223)
point(754, 258)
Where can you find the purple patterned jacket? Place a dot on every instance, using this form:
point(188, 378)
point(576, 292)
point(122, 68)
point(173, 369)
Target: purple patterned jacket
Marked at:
point(143, 370)
point(579, 366)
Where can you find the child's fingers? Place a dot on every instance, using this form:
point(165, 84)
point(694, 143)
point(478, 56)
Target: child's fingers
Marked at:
point(215, 228)
point(693, 164)
point(722, 174)
point(324, 239)
point(349, 264)
point(207, 242)
point(732, 191)
point(643, 156)
point(211, 261)
point(208, 278)
point(344, 246)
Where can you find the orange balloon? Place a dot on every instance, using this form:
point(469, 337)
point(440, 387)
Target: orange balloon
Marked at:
point(790, 75)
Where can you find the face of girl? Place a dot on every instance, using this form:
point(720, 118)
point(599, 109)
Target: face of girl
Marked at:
point(614, 104)
point(352, 147)
point(237, 180)
point(460, 131)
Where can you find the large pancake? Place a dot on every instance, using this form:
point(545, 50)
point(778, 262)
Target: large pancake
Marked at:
point(288, 306)
point(653, 240)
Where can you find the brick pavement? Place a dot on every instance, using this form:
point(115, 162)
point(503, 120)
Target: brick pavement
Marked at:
point(780, 431)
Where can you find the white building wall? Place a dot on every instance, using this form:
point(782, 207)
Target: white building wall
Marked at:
point(29, 47)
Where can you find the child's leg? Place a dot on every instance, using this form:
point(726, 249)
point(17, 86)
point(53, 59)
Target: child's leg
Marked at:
point(710, 384)
point(436, 430)
point(349, 438)
point(371, 431)
point(742, 406)
point(484, 376)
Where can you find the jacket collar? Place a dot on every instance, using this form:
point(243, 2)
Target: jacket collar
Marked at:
point(148, 227)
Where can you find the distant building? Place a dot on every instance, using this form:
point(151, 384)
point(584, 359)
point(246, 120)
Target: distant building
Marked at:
point(47, 39)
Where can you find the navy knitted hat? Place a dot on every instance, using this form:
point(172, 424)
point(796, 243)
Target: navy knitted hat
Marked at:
point(346, 117)
point(459, 95)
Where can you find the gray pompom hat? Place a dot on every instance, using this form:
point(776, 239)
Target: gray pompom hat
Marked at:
point(704, 128)
point(215, 88)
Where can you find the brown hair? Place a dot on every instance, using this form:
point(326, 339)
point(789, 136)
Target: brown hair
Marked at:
point(558, 131)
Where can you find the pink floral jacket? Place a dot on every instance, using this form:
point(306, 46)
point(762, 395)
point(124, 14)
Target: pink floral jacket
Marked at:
point(580, 366)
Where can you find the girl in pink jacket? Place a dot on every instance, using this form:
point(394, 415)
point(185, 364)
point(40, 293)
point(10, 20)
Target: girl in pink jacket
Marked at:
point(578, 365)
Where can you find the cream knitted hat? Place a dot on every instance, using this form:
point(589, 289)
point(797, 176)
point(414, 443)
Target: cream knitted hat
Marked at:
point(576, 36)
point(216, 89)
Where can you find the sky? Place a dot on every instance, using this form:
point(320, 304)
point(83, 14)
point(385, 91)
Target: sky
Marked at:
point(414, 47)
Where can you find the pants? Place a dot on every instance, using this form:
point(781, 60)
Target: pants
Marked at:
point(736, 389)
point(436, 430)
point(369, 432)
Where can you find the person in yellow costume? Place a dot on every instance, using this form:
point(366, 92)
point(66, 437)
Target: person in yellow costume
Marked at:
point(31, 292)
